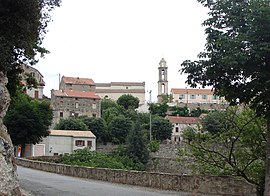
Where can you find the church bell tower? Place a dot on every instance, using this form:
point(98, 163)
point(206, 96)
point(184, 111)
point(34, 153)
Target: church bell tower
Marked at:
point(162, 80)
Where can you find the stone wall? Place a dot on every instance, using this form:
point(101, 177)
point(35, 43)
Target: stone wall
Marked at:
point(195, 185)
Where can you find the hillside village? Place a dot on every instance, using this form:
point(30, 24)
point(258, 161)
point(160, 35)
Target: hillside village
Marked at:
point(82, 97)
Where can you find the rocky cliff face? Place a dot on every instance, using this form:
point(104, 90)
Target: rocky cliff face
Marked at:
point(8, 178)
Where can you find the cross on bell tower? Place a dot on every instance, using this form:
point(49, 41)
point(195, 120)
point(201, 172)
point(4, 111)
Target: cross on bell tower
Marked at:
point(162, 80)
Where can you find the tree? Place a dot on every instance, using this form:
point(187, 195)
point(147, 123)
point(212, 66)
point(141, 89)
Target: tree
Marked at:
point(107, 103)
point(28, 120)
point(22, 28)
point(119, 128)
point(214, 122)
point(189, 133)
point(136, 146)
point(128, 101)
point(159, 109)
point(97, 126)
point(236, 60)
point(238, 149)
point(71, 124)
point(161, 129)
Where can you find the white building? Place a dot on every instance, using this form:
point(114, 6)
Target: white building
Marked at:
point(62, 142)
point(114, 90)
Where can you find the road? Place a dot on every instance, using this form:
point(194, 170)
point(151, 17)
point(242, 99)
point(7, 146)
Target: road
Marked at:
point(38, 183)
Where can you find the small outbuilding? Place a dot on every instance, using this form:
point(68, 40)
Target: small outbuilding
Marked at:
point(63, 142)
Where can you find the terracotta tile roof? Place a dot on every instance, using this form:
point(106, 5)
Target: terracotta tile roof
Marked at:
point(72, 93)
point(72, 133)
point(183, 119)
point(77, 80)
point(192, 91)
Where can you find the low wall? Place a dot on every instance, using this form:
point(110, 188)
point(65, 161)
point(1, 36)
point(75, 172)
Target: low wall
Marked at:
point(197, 185)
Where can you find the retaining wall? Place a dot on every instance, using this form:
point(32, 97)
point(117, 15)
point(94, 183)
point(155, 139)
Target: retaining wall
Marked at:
point(196, 185)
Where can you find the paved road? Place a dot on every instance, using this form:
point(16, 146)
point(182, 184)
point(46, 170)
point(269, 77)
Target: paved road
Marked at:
point(35, 183)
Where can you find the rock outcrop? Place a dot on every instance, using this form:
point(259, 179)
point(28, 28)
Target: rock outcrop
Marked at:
point(8, 177)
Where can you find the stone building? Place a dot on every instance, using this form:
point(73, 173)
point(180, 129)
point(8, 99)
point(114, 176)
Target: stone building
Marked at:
point(36, 93)
point(179, 124)
point(71, 103)
point(114, 90)
point(77, 84)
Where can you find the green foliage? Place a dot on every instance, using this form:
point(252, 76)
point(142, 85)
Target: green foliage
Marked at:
point(154, 145)
point(180, 111)
point(71, 124)
point(28, 120)
point(107, 103)
point(119, 128)
point(238, 149)
point(161, 129)
point(22, 28)
point(159, 109)
point(189, 134)
point(136, 145)
point(86, 157)
point(236, 55)
point(128, 101)
point(97, 126)
point(215, 122)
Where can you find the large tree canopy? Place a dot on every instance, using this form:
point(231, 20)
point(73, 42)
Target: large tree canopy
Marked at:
point(236, 60)
point(28, 120)
point(237, 146)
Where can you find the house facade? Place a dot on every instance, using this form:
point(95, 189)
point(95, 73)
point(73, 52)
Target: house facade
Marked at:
point(180, 123)
point(62, 142)
point(194, 98)
point(36, 93)
point(114, 90)
point(71, 103)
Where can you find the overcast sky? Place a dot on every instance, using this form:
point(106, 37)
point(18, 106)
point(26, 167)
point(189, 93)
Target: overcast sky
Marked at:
point(122, 41)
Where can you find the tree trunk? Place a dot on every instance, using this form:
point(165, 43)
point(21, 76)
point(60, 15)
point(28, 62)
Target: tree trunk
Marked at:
point(267, 173)
point(8, 177)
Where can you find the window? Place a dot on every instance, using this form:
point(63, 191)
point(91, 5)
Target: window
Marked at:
point(76, 105)
point(182, 96)
point(215, 97)
point(204, 96)
point(89, 143)
point(176, 129)
point(192, 96)
point(61, 114)
point(36, 94)
point(94, 115)
point(79, 142)
point(94, 106)
point(76, 114)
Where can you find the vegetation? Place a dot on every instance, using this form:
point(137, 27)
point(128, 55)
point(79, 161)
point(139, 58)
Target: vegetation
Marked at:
point(136, 146)
point(161, 129)
point(119, 129)
point(71, 124)
point(28, 120)
point(86, 157)
point(236, 60)
point(237, 146)
point(128, 101)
